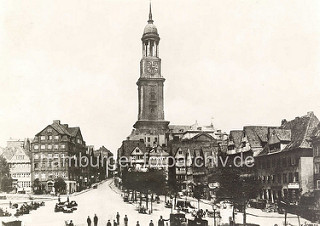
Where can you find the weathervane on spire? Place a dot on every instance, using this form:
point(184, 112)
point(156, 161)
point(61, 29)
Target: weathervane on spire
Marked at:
point(150, 21)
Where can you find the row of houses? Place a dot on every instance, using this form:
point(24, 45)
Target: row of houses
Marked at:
point(285, 158)
point(57, 151)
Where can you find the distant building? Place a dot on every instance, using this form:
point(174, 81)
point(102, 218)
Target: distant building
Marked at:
point(243, 145)
point(55, 151)
point(316, 163)
point(194, 156)
point(17, 153)
point(136, 155)
point(285, 165)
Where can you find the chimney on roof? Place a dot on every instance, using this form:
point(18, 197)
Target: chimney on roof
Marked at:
point(283, 121)
point(66, 125)
point(56, 122)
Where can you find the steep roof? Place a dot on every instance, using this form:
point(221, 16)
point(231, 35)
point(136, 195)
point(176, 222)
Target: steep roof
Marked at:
point(9, 152)
point(63, 129)
point(235, 138)
point(279, 135)
point(73, 131)
point(302, 129)
point(256, 135)
point(129, 145)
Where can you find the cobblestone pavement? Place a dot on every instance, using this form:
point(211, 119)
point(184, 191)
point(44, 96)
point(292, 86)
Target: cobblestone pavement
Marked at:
point(106, 201)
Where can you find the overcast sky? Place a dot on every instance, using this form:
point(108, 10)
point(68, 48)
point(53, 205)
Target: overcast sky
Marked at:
point(238, 62)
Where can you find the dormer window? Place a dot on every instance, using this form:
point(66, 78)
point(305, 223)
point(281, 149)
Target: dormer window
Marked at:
point(42, 137)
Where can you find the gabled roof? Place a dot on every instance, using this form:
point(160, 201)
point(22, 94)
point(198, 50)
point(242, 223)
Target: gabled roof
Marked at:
point(9, 152)
point(197, 136)
point(256, 135)
point(235, 138)
point(158, 151)
point(301, 131)
point(129, 145)
point(63, 129)
point(279, 135)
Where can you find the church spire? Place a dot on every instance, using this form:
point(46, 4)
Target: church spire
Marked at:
point(150, 21)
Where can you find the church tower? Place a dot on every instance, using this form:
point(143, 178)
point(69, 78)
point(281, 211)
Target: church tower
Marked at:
point(150, 84)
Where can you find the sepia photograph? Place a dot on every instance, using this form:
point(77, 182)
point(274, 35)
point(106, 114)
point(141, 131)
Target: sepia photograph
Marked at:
point(160, 113)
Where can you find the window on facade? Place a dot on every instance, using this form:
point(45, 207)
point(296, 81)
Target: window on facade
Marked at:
point(279, 178)
point(56, 146)
point(180, 152)
point(42, 137)
point(36, 165)
point(63, 146)
point(318, 184)
point(296, 177)
point(36, 147)
point(152, 96)
point(49, 155)
point(36, 156)
point(50, 137)
point(56, 155)
point(317, 168)
point(290, 178)
point(284, 178)
point(49, 130)
point(50, 146)
point(56, 137)
point(148, 139)
point(42, 147)
point(43, 176)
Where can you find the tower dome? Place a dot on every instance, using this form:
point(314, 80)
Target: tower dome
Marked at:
point(150, 30)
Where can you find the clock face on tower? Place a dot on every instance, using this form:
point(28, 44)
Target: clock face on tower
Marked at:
point(152, 67)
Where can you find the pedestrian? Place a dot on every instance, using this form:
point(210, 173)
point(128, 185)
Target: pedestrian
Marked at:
point(126, 220)
point(95, 220)
point(137, 223)
point(161, 221)
point(71, 223)
point(68, 199)
point(115, 223)
point(109, 223)
point(151, 223)
point(118, 218)
point(89, 221)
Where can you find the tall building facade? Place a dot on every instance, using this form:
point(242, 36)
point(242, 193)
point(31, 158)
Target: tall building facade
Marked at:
point(17, 153)
point(54, 152)
point(151, 125)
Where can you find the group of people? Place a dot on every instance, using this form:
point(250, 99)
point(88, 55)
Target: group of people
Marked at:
point(125, 220)
point(95, 220)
